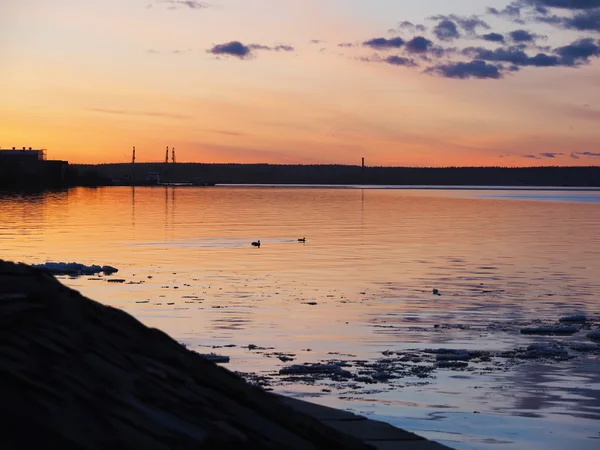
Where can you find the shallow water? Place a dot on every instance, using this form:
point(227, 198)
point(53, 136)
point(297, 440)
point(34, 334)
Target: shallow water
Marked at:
point(360, 285)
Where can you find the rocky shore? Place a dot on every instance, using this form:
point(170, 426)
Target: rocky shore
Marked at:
point(77, 374)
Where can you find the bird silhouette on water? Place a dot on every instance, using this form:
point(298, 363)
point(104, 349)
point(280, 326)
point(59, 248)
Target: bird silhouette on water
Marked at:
point(256, 244)
point(302, 239)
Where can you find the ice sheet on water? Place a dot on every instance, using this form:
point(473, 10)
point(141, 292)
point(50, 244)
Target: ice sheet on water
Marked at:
point(573, 318)
point(74, 269)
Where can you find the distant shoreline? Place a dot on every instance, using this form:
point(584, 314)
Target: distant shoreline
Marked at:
point(336, 175)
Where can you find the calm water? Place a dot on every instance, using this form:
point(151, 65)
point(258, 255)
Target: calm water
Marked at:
point(360, 285)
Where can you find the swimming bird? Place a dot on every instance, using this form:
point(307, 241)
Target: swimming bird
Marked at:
point(302, 239)
point(436, 292)
point(256, 244)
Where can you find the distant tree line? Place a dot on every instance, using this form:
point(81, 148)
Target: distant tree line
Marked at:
point(588, 176)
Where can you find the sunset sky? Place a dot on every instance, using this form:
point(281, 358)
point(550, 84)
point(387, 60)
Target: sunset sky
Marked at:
point(425, 83)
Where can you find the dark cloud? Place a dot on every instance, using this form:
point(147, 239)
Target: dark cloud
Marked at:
point(383, 43)
point(470, 24)
point(493, 37)
point(584, 21)
point(277, 48)
point(578, 155)
point(547, 155)
point(418, 44)
point(512, 55)
point(581, 15)
point(446, 30)
point(464, 70)
point(233, 48)
point(575, 54)
point(560, 4)
point(239, 50)
point(579, 52)
point(522, 36)
point(400, 61)
point(409, 26)
point(512, 11)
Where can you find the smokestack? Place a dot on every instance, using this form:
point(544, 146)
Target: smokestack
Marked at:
point(133, 156)
point(363, 163)
point(173, 155)
point(167, 155)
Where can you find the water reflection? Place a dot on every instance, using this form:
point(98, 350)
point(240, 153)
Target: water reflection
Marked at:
point(361, 284)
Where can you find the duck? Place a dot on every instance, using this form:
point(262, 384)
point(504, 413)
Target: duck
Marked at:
point(302, 239)
point(256, 244)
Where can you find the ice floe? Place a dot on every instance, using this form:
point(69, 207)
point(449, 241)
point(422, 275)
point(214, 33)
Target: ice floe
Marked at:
point(594, 335)
point(213, 357)
point(74, 269)
point(579, 318)
point(550, 330)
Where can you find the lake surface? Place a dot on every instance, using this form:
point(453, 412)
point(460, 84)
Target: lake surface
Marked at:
point(357, 295)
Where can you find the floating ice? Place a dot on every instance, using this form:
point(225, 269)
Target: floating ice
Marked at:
point(550, 330)
point(213, 357)
point(298, 369)
point(74, 269)
point(545, 350)
point(585, 347)
point(574, 318)
point(594, 335)
point(458, 355)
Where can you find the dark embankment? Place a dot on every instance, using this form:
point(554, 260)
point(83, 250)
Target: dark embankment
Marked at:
point(341, 174)
point(77, 374)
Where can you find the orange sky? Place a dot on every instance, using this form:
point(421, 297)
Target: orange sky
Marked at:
point(89, 81)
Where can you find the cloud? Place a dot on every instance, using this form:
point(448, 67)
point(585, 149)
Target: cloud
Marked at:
point(277, 48)
point(512, 55)
point(446, 30)
point(512, 11)
point(470, 24)
point(239, 50)
point(192, 4)
point(578, 155)
point(233, 48)
point(464, 70)
point(581, 15)
point(394, 60)
point(544, 155)
point(561, 4)
point(400, 61)
point(493, 37)
point(523, 36)
point(383, 43)
point(409, 26)
point(575, 54)
point(579, 52)
point(346, 45)
point(418, 44)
